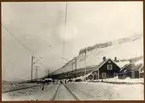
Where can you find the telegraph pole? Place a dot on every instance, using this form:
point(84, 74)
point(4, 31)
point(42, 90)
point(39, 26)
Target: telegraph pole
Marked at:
point(85, 60)
point(26, 48)
point(36, 73)
point(32, 65)
point(13, 36)
point(32, 59)
point(72, 65)
point(98, 74)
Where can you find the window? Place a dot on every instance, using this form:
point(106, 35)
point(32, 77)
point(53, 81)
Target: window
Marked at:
point(95, 73)
point(109, 67)
point(124, 76)
point(132, 74)
point(109, 61)
point(115, 74)
point(103, 75)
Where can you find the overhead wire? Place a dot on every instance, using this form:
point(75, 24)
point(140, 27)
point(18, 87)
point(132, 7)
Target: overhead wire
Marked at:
point(63, 49)
point(63, 44)
point(17, 40)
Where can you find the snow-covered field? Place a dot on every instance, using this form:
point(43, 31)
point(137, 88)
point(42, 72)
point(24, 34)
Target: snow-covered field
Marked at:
point(123, 81)
point(106, 91)
point(30, 94)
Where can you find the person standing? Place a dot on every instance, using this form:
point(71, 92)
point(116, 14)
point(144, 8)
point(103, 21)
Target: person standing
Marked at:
point(43, 83)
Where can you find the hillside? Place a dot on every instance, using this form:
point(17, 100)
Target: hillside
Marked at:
point(123, 49)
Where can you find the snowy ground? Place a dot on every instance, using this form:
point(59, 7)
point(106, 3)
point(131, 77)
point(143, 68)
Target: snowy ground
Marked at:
point(121, 81)
point(14, 86)
point(127, 80)
point(34, 93)
point(63, 94)
point(106, 91)
point(83, 91)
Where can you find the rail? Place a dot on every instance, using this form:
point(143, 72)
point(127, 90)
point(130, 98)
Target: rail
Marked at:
point(55, 94)
point(53, 97)
point(75, 97)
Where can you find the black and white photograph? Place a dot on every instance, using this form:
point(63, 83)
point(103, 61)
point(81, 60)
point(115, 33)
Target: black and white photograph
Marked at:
point(72, 51)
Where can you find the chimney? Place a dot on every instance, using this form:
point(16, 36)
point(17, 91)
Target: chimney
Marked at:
point(104, 58)
point(115, 58)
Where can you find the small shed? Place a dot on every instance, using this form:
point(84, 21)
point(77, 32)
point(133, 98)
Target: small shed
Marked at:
point(131, 70)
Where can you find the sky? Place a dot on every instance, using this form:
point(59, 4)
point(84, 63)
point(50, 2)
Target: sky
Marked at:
point(37, 25)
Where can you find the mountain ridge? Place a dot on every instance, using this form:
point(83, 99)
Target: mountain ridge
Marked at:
point(116, 48)
point(110, 43)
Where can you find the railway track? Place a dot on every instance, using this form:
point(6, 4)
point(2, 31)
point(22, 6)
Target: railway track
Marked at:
point(53, 97)
point(60, 92)
point(76, 98)
point(56, 94)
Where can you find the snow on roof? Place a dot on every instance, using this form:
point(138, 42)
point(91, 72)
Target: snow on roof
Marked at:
point(121, 64)
point(141, 68)
point(101, 64)
point(96, 68)
point(142, 72)
point(139, 62)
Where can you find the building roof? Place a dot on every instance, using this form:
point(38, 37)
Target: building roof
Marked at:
point(101, 64)
point(124, 67)
point(132, 67)
point(122, 64)
point(139, 62)
point(137, 65)
point(141, 68)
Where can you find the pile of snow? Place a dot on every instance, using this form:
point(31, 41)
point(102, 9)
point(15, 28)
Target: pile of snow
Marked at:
point(127, 80)
point(113, 80)
point(123, 81)
point(83, 77)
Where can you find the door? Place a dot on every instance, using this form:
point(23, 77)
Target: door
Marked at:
point(115, 74)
